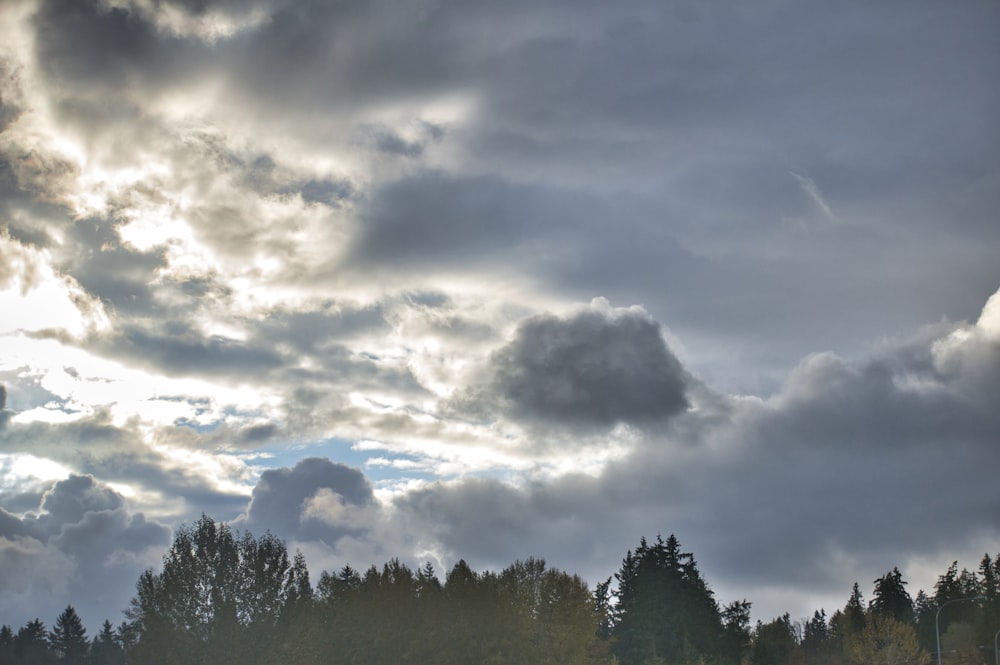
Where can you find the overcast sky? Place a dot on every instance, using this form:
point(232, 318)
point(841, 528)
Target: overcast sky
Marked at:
point(444, 279)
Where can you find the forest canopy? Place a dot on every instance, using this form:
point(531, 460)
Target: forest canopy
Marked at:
point(224, 597)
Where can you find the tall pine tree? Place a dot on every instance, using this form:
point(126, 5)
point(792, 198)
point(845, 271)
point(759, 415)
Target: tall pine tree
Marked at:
point(890, 598)
point(666, 611)
point(69, 638)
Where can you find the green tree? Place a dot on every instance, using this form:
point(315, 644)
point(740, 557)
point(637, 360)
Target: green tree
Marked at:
point(954, 585)
point(31, 644)
point(6, 645)
point(68, 638)
point(106, 647)
point(890, 599)
point(924, 609)
point(218, 597)
point(816, 639)
point(989, 588)
point(665, 610)
point(736, 633)
point(887, 641)
point(775, 643)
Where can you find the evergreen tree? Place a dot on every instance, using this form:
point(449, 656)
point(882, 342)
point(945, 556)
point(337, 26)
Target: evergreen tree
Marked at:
point(924, 609)
point(602, 605)
point(845, 625)
point(989, 588)
point(334, 589)
point(775, 643)
point(428, 585)
point(6, 645)
point(31, 645)
point(736, 634)
point(890, 598)
point(854, 612)
point(665, 609)
point(954, 585)
point(816, 638)
point(106, 647)
point(68, 638)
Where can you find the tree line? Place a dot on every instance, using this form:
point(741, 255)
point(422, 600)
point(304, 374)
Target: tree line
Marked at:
point(223, 597)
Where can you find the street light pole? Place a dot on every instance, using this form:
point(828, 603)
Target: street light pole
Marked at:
point(937, 629)
point(996, 649)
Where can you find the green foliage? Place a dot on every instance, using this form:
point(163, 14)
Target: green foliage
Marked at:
point(775, 642)
point(224, 598)
point(107, 647)
point(68, 638)
point(217, 596)
point(816, 638)
point(526, 613)
point(736, 635)
point(665, 609)
point(891, 599)
point(887, 641)
point(31, 645)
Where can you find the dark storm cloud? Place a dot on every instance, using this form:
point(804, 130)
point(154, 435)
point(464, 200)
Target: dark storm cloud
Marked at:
point(424, 218)
point(438, 222)
point(826, 482)
point(92, 49)
point(310, 501)
point(83, 544)
point(592, 368)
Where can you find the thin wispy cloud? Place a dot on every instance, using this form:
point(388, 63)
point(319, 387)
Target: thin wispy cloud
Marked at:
point(811, 189)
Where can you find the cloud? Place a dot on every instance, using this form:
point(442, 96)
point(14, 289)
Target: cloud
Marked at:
point(83, 544)
point(315, 500)
point(69, 500)
point(356, 229)
point(596, 367)
point(804, 482)
point(811, 189)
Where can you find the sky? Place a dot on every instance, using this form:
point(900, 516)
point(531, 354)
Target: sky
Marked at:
point(438, 280)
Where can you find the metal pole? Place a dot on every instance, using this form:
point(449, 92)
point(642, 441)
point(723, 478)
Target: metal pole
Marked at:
point(996, 649)
point(937, 629)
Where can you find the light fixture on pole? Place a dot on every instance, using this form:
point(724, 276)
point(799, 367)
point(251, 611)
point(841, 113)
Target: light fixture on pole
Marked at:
point(937, 629)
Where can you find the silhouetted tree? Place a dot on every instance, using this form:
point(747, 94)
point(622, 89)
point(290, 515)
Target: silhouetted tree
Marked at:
point(989, 588)
point(217, 597)
point(31, 645)
point(6, 645)
point(68, 638)
point(774, 643)
point(106, 647)
point(816, 639)
point(665, 609)
point(890, 599)
point(953, 585)
point(924, 609)
point(736, 633)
